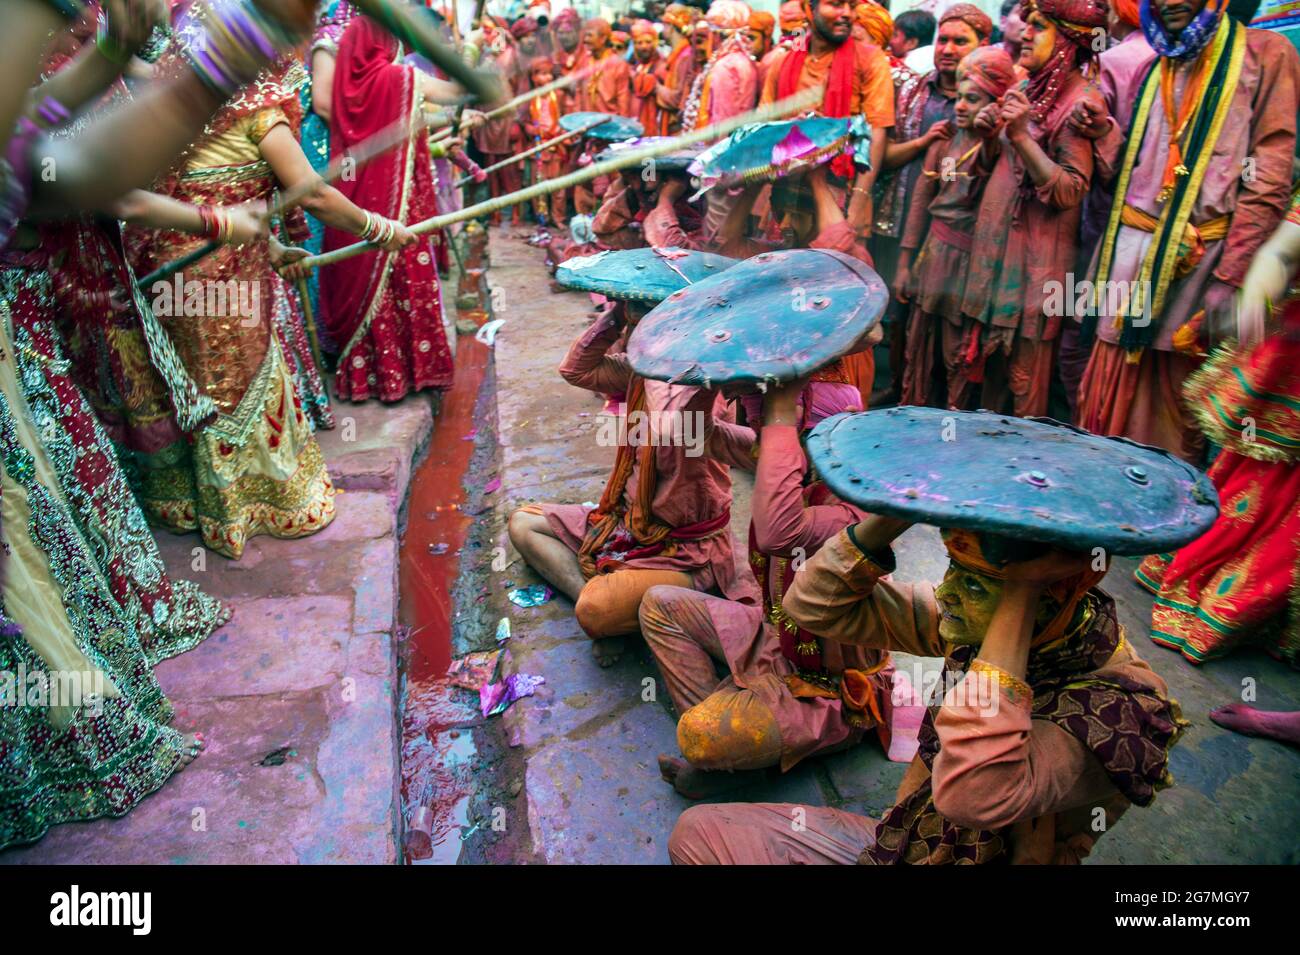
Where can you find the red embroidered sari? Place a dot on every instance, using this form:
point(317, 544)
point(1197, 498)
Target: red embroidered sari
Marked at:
point(383, 309)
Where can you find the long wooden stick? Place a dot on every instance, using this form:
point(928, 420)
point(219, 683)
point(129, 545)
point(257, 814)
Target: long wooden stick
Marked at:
point(520, 157)
point(791, 104)
point(523, 98)
point(378, 144)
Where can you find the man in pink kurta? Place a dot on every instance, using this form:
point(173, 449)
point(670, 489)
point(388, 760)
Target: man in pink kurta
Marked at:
point(728, 84)
point(787, 694)
point(689, 493)
point(1133, 388)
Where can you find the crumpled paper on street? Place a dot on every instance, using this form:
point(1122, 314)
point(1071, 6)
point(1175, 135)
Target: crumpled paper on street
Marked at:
point(496, 697)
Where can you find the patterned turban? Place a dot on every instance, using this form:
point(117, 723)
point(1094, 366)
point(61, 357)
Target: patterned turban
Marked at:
point(763, 22)
point(1076, 19)
point(523, 27)
point(990, 68)
point(875, 19)
point(972, 16)
point(679, 16)
point(728, 15)
point(792, 17)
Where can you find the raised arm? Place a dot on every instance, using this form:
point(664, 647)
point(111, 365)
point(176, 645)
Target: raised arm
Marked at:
point(588, 366)
point(839, 594)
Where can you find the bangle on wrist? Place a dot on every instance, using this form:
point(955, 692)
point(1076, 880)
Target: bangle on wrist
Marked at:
point(1016, 688)
point(52, 113)
point(237, 42)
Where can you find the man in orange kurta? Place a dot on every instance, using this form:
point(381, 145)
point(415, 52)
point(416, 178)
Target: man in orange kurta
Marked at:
point(609, 87)
point(679, 67)
point(649, 71)
point(863, 86)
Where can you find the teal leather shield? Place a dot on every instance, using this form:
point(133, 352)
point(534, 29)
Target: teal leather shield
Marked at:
point(1025, 478)
point(615, 129)
point(640, 275)
point(766, 151)
point(772, 318)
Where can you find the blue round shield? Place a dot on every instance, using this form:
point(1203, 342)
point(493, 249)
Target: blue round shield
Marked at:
point(772, 150)
point(1027, 478)
point(615, 129)
point(772, 318)
point(640, 275)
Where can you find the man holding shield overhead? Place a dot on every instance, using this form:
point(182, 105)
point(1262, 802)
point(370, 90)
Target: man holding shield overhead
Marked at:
point(787, 694)
point(664, 515)
point(1049, 721)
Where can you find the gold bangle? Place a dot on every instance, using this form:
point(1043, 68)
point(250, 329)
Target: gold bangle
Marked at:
point(1016, 688)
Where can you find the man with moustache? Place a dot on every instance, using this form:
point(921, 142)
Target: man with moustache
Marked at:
point(609, 87)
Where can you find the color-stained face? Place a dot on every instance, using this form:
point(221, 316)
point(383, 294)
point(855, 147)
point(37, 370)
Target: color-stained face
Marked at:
point(967, 601)
point(700, 44)
point(528, 44)
point(1039, 40)
point(833, 20)
point(595, 38)
point(568, 37)
point(970, 100)
point(644, 44)
point(757, 42)
point(954, 41)
point(1177, 14)
point(542, 76)
point(618, 46)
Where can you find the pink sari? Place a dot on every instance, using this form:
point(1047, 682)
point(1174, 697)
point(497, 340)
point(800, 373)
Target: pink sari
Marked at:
point(383, 309)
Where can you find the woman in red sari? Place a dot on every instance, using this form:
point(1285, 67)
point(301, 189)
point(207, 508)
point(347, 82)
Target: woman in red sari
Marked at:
point(1240, 581)
point(383, 309)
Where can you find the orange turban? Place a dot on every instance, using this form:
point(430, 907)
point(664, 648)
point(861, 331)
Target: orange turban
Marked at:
point(1127, 10)
point(792, 17)
point(598, 26)
point(642, 28)
point(964, 549)
point(678, 15)
point(763, 22)
point(876, 21)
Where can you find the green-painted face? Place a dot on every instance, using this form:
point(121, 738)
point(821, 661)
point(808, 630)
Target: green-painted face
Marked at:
point(967, 601)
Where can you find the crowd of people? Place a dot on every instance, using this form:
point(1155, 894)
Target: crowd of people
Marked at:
point(1086, 211)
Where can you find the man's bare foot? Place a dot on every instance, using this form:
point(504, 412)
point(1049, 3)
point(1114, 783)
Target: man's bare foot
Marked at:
point(195, 743)
point(1240, 718)
point(702, 783)
point(608, 650)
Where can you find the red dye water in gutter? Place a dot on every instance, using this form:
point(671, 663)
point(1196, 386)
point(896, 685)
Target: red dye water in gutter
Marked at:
point(436, 525)
point(436, 754)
